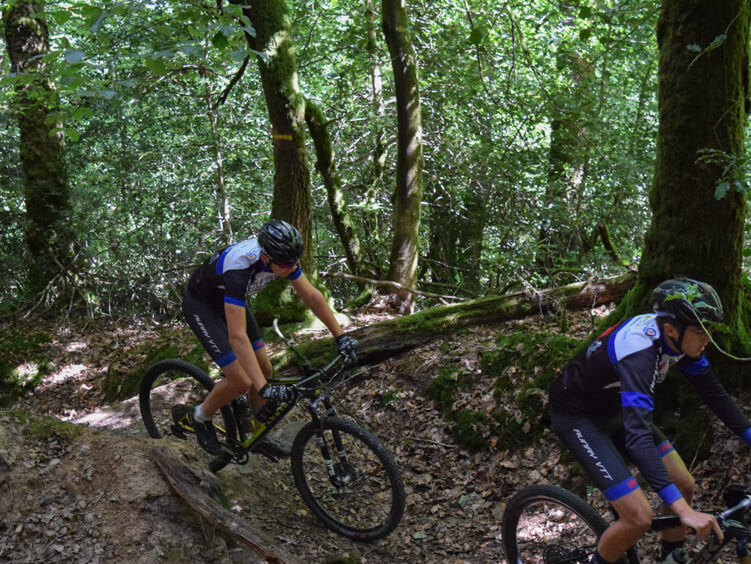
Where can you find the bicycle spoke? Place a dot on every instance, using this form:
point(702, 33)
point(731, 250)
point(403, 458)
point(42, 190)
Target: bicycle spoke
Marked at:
point(364, 498)
point(550, 533)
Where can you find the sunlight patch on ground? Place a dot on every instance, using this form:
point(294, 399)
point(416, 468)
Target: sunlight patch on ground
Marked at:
point(124, 415)
point(67, 372)
point(75, 346)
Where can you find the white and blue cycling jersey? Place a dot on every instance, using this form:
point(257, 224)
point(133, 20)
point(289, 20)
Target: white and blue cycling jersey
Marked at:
point(619, 371)
point(234, 273)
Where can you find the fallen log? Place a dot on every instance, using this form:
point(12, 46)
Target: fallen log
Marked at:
point(188, 486)
point(398, 335)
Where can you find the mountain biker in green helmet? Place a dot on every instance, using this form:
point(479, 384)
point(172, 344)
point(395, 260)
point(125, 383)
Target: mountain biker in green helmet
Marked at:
point(602, 404)
point(216, 309)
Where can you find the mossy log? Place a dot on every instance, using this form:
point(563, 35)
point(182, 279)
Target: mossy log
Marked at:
point(395, 336)
point(190, 488)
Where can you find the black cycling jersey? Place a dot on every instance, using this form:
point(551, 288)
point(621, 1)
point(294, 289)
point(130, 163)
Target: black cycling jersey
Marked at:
point(233, 273)
point(227, 277)
point(619, 371)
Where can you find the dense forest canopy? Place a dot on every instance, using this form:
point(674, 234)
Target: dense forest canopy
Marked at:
point(539, 125)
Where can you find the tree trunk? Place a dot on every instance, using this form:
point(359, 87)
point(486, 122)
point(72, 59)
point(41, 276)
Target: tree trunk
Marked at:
point(343, 222)
point(408, 193)
point(371, 217)
point(567, 160)
point(702, 103)
point(286, 107)
point(49, 234)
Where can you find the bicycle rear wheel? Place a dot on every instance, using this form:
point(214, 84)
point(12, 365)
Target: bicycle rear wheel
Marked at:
point(173, 381)
point(364, 498)
point(545, 524)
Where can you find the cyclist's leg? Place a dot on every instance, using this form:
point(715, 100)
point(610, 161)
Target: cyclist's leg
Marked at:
point(590, 443)
point(259, 347)
point(210, 326)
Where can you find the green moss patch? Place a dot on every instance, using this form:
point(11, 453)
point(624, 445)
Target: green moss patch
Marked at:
point(23, 363)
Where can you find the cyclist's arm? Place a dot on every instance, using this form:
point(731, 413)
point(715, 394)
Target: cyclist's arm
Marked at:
point(702, 523)
point(240, 343)
point(636, 373)
point(312, 297)
point(702, 377)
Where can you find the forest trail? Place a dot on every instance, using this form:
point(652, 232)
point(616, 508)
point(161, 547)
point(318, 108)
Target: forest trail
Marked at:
point(90, 492)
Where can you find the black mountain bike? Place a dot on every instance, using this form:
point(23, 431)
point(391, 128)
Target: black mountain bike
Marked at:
point(344, 474)
point(551, 525)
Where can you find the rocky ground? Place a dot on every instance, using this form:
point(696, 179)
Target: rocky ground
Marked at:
point(90, 493)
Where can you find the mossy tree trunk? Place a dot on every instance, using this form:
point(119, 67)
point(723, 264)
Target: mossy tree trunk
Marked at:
point(325, 164)
point(286, 106)
point(702, 102)
point(409, 164)
point(49, 235)
point(371, 214)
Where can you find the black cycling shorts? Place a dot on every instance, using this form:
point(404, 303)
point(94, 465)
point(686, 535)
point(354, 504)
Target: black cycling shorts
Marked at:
point(599, 444)
point(209, 323)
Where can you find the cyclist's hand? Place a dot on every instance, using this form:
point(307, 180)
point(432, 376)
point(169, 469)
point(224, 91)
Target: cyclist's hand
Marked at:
point(278, 394)
point(347, 345)
point(702, 523)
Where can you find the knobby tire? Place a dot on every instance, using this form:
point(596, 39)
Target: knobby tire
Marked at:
point(154, 410)
point(371, 502)
point(545, 524)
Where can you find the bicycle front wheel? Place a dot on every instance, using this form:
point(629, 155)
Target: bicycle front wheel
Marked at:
point(348, 479)
point(549, 525)
point(171, 382)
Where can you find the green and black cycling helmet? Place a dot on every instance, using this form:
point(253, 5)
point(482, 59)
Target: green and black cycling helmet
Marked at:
point(281, 242)
point(674, 299)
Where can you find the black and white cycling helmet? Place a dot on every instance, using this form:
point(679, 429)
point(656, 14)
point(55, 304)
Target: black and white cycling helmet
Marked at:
point(281, 242)
point(677, 299)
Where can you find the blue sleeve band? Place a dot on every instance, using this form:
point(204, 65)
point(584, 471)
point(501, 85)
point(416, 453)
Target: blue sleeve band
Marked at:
point(619, 490)
point(669, 494)
point(747, 436)
point(295, 274)
point(259, 344)
point(227, 359)
point(234, 301)
point(665, 448)
point(636, 399)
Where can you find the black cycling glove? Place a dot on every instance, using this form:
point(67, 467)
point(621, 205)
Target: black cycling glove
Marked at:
point(347, 345)
point(274, 396)
point(279, 394)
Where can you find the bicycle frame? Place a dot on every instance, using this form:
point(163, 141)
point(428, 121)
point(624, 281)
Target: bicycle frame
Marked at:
point(307, 387)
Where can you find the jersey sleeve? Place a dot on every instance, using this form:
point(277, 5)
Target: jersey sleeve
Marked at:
point(702, 377)
point(636, 373)
point(235, 284)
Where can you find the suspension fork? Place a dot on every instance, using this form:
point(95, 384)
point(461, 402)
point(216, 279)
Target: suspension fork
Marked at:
point(338, 471)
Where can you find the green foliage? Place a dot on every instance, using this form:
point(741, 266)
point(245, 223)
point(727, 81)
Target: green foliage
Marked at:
point(140, 86)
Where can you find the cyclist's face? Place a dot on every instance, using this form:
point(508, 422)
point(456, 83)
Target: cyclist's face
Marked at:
point(694, 341)
point(282, 270)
